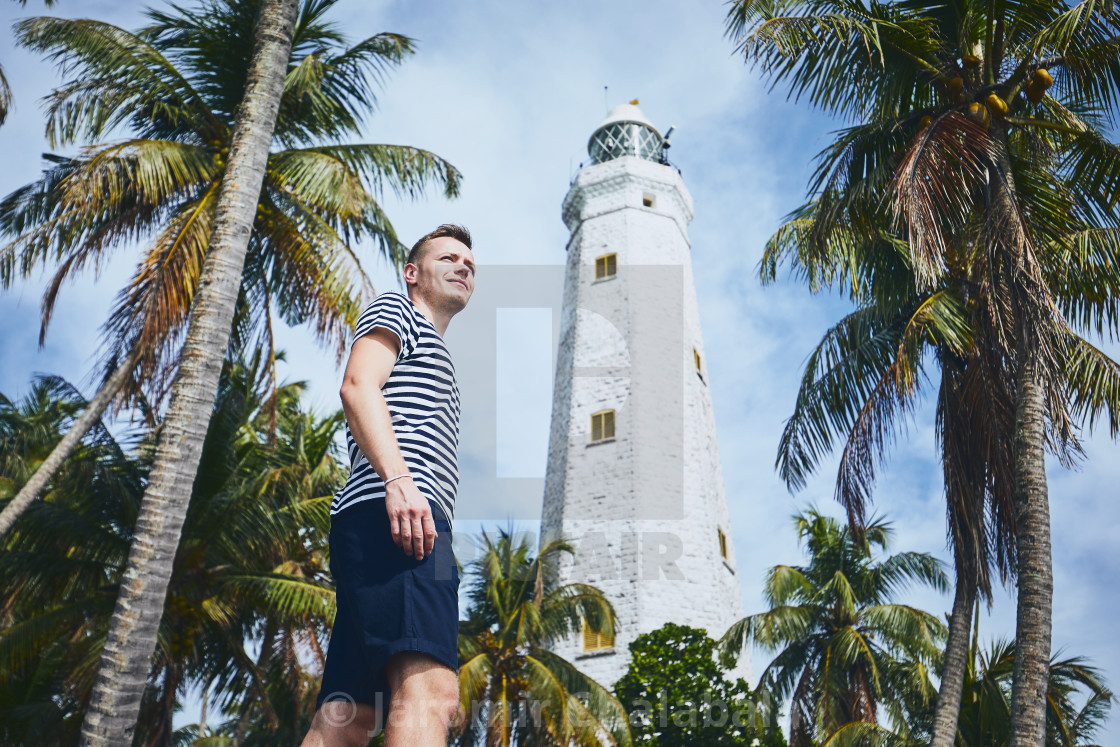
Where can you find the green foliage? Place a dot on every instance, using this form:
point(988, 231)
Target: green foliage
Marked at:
point(968, 210)
point(908, 216)
point(1077, 704)
point(845, 651)
point(251, 564)
point(166, 95)
point(1077, 700)
point(514, 690)
point(678, 695)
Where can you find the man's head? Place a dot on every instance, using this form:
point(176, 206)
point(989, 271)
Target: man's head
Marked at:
point(440, 269)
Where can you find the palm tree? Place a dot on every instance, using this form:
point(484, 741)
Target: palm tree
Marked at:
point(1077, 700)
point(958, 138)
point(867, 374)
point(515, 690)
point(844, 649)
point(1077, 705)
point(114, 706)
point(57, 564)
point(186, 139)
point(251, 563)
point(175, 85)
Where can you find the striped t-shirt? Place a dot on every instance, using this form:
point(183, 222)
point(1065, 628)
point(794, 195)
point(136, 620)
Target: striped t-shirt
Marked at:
point(423, 399)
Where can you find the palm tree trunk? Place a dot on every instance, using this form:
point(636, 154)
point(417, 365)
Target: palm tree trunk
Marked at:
point(65, 447)
point(246, 716)
point(293, 672)
point(1032, 504)
point(202, 715)
point(1036, 575)
point(162, 737)
point(313, 641)
point(506, 727)
point(948, 709)
point(126, 658)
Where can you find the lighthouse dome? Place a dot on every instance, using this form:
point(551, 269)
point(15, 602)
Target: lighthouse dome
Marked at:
point(625, 132)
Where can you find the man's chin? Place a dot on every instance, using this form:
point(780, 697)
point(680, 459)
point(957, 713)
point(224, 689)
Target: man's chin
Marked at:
point(455, 302)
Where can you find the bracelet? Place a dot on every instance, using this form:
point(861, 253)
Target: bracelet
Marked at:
point(397, 478)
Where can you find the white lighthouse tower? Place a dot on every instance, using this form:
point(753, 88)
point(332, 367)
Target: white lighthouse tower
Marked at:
point(634, 479)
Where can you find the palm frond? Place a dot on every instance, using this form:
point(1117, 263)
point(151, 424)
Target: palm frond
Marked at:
point(44, 227)
point(866, 734)
point(140, 172)
point(604, 708)
point(5, 96)
point(1093, 380)
point(835, 53)
point(117, 78)
point(1082, 270)
point(939, 320)
point(839, 376)
point(772, 629)
point(906, 628)
point(286, 597)
point(150, 313)
point(931, 193)
point(407, 171)
point(328, 92)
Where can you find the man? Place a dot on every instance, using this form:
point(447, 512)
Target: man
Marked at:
point(393, 647)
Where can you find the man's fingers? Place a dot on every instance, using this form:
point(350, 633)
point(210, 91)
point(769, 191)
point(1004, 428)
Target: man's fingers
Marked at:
point(417, 538)
point(406, 533)
point(429, 534)
point(395, 529)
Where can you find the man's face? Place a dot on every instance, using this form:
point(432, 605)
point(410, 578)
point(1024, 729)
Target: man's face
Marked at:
point(444, 275)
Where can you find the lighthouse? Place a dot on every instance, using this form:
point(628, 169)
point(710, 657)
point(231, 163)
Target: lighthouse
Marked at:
point(634, 481)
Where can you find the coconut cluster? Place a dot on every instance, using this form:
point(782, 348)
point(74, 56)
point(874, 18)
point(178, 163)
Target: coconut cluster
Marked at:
point(993, 105)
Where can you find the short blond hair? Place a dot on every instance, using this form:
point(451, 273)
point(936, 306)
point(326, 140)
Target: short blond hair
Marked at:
point(459, 233)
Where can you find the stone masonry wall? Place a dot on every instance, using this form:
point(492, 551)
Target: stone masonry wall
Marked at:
point(642, 509)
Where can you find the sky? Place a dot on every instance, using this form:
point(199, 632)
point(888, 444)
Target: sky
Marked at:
point(509, 92)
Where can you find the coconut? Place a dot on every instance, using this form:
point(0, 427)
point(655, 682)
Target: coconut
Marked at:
point(997, 105)
point(979, 114)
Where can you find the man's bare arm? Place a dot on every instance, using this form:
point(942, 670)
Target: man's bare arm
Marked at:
point(368, 368)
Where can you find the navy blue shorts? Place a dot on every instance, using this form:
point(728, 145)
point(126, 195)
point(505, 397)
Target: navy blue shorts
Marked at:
point(387, 602)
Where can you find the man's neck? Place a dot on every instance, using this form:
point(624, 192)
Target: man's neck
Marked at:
point(438, 319)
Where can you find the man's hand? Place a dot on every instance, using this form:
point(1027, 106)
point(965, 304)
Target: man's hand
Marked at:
point(410, 518)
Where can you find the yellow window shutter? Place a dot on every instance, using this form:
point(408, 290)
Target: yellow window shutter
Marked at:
point(595, 641)
point(602, 425)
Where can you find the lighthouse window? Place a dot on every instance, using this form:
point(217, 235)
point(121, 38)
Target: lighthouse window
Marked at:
point(696, 359)
point(722, 543)
point(602, 425)
point(647, 200)
point(606, 266)
point(595, 641)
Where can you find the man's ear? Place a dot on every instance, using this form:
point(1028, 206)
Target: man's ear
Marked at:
point(409, 273)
